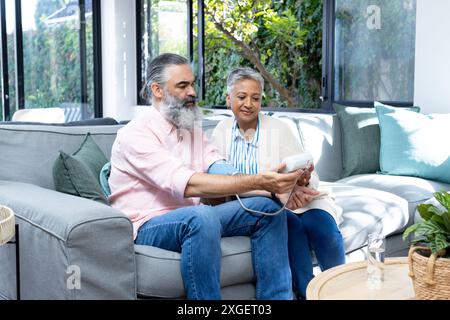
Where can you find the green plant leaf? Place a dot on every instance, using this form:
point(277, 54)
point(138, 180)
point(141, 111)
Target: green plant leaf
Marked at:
point(439, 220)
point(427, 228)
point(424, 211)
point(435, 210)
point(443, 198)
point(440, 242)
point(410, 230)
point(446, 219)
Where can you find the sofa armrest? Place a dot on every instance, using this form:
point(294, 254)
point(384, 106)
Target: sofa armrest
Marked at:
point(70, 247)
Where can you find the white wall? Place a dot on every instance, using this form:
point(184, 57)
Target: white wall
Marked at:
point(432, 70)
point(119, 58)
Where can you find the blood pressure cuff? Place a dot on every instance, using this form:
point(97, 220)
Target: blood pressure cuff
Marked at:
point(222, 167)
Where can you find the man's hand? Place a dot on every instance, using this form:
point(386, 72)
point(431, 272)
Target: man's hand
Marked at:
point(300, 197)
point(278, 182)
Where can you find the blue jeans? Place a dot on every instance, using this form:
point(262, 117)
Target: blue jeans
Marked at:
point(196, 232)
point(313, 230)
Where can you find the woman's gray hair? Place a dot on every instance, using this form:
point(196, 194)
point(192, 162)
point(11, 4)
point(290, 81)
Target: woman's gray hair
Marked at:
point(156, 73)
point(240, 74)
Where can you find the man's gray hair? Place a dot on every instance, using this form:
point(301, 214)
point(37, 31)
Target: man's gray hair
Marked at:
point(156, 73)
point(244, 73)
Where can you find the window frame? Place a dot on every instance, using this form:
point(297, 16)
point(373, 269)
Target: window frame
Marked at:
point(18, 55)
point(330, 22)
point(328, 50)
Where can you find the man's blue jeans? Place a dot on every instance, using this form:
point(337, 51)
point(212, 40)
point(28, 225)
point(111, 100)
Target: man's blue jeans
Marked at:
point(314, 230)
point(196, 232)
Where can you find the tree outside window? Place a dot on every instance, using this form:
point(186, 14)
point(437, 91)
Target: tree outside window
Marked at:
point(280, 39)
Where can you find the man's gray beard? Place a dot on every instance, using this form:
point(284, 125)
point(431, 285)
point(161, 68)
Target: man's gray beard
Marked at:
point(182, 117)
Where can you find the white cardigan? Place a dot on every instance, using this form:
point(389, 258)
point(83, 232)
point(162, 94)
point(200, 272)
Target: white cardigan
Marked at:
point(277, 141)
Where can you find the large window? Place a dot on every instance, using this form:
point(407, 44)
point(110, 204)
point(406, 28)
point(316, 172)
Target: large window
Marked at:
point(311, 53)
point(52, 55)
point(374, 50)
point(163, 28)
point(282, 40)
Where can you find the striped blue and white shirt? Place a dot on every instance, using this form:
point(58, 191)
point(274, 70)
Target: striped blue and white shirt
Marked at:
point(243, 154)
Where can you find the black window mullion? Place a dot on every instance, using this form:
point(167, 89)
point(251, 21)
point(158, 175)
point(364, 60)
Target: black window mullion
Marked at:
point(4, 62)
point(190, 30)
point(20, 87)
point(327, 91)
point(151, 46)
point(139, 26)
point(83, 64)
point(98, 85)
point(201, 48)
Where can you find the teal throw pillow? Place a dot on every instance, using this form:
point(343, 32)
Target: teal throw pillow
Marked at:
point(360, 139)
point(104, 177)
point(414, 144)
point(78, 174)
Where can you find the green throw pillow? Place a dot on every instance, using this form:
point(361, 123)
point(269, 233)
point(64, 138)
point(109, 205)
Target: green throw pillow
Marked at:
point(78, 174)
point(360, 139)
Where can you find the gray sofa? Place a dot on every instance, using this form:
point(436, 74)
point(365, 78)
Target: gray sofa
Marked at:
point(59, 232)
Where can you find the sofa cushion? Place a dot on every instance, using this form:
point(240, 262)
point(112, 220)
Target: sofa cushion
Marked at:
point(78, 174)
point(164, 280)
point(414, 144)
point(105, 173)
point(360, 134)
point(360, 139)
point(91, 154)
point(28, 152)
point(414, 190)
point(366, 210)
point(320, 135)
point(74, 177)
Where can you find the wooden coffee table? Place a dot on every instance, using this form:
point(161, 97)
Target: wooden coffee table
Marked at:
point(349, 282)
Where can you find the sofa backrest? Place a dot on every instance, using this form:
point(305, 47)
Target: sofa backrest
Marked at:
point(28, 152)
point(319, 133)
point(321, 136)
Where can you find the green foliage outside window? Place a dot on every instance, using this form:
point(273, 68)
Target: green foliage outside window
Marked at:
point(51, 53)
point(282, 40)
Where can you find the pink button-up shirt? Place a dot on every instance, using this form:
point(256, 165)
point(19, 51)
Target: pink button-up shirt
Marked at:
point(151, 164)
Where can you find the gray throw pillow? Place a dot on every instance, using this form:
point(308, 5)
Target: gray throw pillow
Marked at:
point(78, 174)
point(360, 137)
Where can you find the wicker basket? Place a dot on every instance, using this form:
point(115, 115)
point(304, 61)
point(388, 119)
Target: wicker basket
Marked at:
point(431, 275)
point(7, 225)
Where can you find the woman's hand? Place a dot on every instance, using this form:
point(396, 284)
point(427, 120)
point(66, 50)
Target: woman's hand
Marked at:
point(301, 196)
point(306, 176)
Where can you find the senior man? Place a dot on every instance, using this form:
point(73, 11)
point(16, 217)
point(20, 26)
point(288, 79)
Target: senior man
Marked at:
point(159, 168)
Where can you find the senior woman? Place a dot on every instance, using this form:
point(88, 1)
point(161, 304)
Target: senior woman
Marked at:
point(253, 142)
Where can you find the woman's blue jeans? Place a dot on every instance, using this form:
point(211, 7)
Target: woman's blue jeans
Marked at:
point(196, 232)
point(315, 230)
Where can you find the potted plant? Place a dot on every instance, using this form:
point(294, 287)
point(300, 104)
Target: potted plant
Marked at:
point(429, 255)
